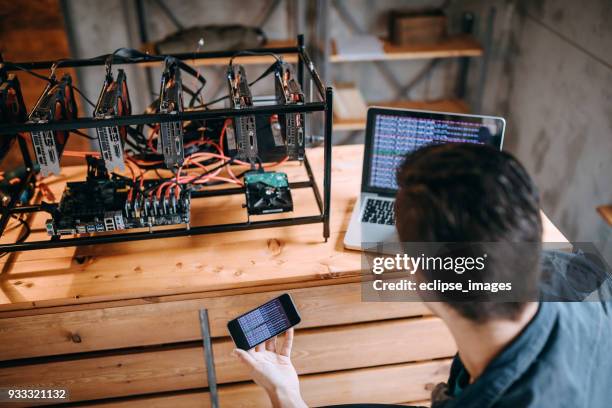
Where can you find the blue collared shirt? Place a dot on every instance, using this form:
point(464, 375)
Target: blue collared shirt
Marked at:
point(563, 358)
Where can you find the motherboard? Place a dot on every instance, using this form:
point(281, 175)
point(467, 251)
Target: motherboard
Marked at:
point(104, 203)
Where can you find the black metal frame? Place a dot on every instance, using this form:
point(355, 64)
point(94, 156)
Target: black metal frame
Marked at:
point(323, 201)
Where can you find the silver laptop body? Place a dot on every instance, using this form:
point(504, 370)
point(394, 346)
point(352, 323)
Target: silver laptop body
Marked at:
point(391, 134)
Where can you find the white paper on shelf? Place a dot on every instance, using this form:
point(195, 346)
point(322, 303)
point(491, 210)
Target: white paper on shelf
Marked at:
point(358, 47)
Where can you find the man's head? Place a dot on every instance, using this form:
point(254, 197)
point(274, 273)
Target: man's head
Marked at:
point(473, 194)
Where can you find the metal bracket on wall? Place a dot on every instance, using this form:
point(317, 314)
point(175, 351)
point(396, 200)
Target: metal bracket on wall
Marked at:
point(144, 38)
point(269, 7)
point(484, 66)
point(164, 7)
point(352, 24)
point(467, 26)
point(400, 89)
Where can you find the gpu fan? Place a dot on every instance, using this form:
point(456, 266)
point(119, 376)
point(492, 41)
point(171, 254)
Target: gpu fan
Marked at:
point(267, 192)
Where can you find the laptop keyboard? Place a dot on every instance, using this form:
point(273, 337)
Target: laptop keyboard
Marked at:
point(379, 212)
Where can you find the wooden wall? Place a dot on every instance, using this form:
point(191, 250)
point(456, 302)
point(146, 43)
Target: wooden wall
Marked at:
point(346, 351)
point(33, 30)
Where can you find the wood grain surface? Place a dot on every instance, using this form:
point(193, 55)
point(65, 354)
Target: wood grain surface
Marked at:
point(182, 367)
point(171, 322)
point(385, 384)
point(202, 263)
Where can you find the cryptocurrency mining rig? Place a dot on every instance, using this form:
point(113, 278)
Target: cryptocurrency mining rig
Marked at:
point(151, 167)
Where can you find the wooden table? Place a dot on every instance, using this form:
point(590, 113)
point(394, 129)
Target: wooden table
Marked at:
point(119, 322)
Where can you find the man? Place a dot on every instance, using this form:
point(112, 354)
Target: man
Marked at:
point(511, 354)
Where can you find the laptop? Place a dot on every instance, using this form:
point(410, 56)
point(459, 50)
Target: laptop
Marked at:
point(390, 135)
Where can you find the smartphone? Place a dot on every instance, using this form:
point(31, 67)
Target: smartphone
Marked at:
point(263, 322)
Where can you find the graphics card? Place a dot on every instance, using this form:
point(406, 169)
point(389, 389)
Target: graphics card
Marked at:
point(171, 101)
point(289, 92)
point(56, 103)
point(244, 129)
point(114, 101)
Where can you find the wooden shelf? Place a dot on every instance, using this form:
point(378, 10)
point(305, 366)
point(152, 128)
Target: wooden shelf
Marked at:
point(451, 105)
point(451, 47)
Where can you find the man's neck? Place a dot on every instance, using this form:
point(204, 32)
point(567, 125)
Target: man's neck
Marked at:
point(479, 344)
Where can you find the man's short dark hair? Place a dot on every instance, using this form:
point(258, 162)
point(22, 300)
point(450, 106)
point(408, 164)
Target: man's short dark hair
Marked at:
point(462, 192)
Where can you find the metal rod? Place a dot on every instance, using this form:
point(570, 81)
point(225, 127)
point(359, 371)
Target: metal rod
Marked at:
point(300, 64)
point(302, 184)
point(118, 60)
point(266, 12)
point(313, 182)
point(89, 122)
point(26, 209)
point(240, 190)
point(314, 75)
point(324, 15)
point(299, 15)
point(170, 233)
point(327, 157)
point(209, 359)
point(164, 7)
point(144, 38)
point(419, 77)
point(484, 65)
point(464, 62)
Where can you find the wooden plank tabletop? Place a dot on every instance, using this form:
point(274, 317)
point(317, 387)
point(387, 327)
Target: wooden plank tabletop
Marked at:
point(295, 256)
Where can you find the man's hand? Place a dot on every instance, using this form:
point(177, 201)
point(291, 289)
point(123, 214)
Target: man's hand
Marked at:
point(270, 366)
